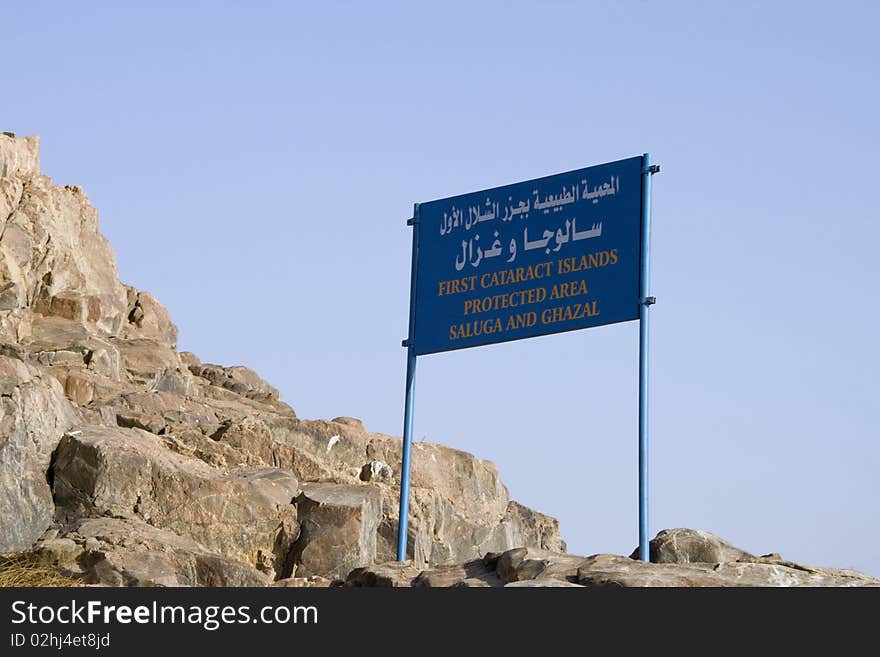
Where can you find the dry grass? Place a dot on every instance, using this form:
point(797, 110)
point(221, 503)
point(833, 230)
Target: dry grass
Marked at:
point(22, 569)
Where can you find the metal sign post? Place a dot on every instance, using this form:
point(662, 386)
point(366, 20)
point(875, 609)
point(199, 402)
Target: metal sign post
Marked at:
point(406, 461)
point(553, 254)
point(645, 303)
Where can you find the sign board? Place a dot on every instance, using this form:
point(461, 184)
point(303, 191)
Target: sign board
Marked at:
point(548, 255)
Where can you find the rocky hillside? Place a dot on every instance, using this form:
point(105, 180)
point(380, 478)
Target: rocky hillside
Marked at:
point(127, 462)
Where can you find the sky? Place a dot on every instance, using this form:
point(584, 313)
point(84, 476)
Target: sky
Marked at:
point(254, 164)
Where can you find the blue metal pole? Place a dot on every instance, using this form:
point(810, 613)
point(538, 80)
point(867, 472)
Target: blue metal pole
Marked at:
point(645, 302)
point(406, 460)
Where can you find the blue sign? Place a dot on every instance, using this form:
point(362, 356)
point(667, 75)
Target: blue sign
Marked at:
point(543, 256)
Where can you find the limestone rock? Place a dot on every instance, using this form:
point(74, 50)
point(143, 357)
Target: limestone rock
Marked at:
point(19, 158)
point(238, 379)
point(246, 514)
point(692, 546)
point(314, 582)
point(34, 414)
point(542, 584)
point(529, 563)
point(394, 574)
point(532, 528)
point(127, 552)
point(51, 252)
point(459, 507)
point(614, 571)
point(459, 575)
point(350, 421)
point(535, 568)
point(61, 553)
point(147, 318)
point(338, 529)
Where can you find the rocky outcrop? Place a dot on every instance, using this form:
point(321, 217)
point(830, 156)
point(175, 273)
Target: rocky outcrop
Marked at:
point(33, 414)
point(134, 449)
point(245, 514)
point(54, 260)
point(614, 571)
point(127, 552)
point(127, 463)
point(339, 525)
point(692, 546)
point(533, 567)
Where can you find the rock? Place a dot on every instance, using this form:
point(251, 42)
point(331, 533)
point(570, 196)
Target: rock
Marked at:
point(147, 318)
point(534, 568)
point(189, 359)
point(350, 422)
point(394, 574)
point(459, 509)
point(692, 546)
point(472, 583)
point(19, 158)
point(465, 575)
point(145, 360)
point(50, 247)
point(305, 582)
point(34, 414)
point(338, 525)
point(542, 583)
point(240, 380)
point(79, 389)
point(376, 471)
point(103, 362)
point(126, 552)
point(245, 514)
point(527, 527)
point(59, 342)
point(252, 438)
point(606, 570)
point(62, 553)
point(529, 563)
point(149, 423)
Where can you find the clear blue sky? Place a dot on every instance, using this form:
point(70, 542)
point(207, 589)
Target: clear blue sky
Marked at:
point(254, 164)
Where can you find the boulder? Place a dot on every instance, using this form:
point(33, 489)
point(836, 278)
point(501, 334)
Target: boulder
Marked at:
point(535, 568)
point(245, 514)
point(240, 380)
point(607, 570)
point(459, 508)
point(465, 575)
point(338, 526)
point(34, 414)
point(530, 528)
point(692, 546)
point(127, 552)
point(305, 583)
point(60, 553)
point(147, 318)
point(529, 563)
point(542, 584)
point(394, 574)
